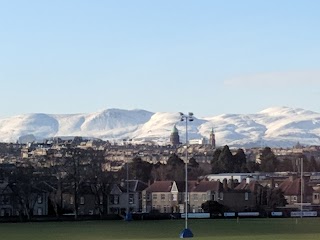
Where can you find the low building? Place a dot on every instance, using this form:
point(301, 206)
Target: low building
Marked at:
point(169, 196)
point(204, 191)
point(291, 188)
point(121, 197)
point(163, 196)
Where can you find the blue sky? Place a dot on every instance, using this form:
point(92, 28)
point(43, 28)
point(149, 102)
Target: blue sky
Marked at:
point(209, 57)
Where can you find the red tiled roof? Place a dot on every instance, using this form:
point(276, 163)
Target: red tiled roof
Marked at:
point(205, 186)
point(252, 186)
point(293, 187)
point(182, 185)
point(160, 186)
point(166, 186)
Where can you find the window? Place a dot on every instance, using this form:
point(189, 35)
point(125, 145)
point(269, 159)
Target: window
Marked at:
point(195, 197)
point(39, 200)
point(114, 199)
point(148, 196)
point(294, 198)
point(131, 198)
point(204, 197)
point(163, 197)
point(154, 196)
point(100, 200)
point(246, 196)
point(82, 200)
point(175, 197)
point(316, 196)
point(5, 199)
point(71, 200)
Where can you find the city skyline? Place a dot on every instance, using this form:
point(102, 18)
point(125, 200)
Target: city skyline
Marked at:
point(208, 57)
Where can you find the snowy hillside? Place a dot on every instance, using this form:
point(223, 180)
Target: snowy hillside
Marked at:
point(279, 126)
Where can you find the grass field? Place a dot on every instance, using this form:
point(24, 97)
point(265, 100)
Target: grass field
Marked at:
point(246, 229)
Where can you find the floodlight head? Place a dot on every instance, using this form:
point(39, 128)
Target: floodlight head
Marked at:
point(191, 119)
point(190, 114)
point(181, 114)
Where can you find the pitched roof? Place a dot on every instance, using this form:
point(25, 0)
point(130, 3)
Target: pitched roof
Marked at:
point(181, 185)
point(134, 186)
point(293, 187)
point(193, 186)
point(160, 186)
point(205, 186)
point(252, 186)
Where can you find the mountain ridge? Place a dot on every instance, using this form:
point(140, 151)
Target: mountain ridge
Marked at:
point(274, 127)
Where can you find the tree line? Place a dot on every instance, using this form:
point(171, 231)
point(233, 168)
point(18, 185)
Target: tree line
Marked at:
point(224, 161)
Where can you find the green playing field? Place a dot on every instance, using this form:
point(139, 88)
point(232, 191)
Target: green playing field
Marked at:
point(245, 229)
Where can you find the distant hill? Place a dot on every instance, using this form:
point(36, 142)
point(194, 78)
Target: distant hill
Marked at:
point(274, 127)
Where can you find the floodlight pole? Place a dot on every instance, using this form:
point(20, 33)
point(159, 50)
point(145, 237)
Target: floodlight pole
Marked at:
point(127, 170)
point(301, 188)
point(186, 233)
point(128, 216)
point(186, 178)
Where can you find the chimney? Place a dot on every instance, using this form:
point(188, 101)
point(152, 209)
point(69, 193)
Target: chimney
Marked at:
point(225, 184)
point(231, 183)
point(272, 183)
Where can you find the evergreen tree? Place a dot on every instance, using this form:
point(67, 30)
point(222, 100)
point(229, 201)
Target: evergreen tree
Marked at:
point(276, 199)
point(175, 168)
point(269, 162)
point(140, 170)
point(286, 165)
point(215, 168)
point(194, 170)
point(226, 160)
point(251, 167)
point(313, 165)
point(240, 160)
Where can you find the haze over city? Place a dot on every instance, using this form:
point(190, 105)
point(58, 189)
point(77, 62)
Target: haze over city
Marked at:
point(209, 57)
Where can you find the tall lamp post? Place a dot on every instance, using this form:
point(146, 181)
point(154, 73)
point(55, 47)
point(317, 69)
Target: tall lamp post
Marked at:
point(301, 187)
point(186, 232)
point(128, 216)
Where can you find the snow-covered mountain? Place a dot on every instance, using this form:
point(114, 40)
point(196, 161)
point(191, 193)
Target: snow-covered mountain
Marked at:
point(275, 127)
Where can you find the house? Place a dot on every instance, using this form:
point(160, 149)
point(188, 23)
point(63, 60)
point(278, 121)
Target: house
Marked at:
point(316, 197)
point(163, 196)
point(127, 194)
point(169, 196)
point(14, 202)
point(245, 196)
point(203, 191)
point(8, 203)
point(88, 200)
point(291, 188)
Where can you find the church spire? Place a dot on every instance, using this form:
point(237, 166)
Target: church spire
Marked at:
point(212, 138)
